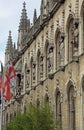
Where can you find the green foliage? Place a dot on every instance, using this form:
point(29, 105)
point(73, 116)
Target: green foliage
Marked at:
point(36, 118)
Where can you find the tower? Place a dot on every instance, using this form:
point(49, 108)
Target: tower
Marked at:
point(23, 27)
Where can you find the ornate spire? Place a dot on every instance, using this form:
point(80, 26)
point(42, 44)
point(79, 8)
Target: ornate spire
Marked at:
point(9, 43)
point(9, 49)
point(35, 16)
point(23, 20)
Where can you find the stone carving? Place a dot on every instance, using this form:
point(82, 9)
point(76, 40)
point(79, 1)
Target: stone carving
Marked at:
point(50, 61)
point(76, 35)
point(61, 49)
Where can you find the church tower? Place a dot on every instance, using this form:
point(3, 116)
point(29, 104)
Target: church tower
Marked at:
point(23, 27)
point(9, 49)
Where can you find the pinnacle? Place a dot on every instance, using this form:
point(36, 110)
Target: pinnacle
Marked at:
point(24, 4)
point(23, 20)
point(9, 32)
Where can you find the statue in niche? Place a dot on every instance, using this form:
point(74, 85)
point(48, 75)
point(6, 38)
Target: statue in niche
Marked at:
point(76, 35)
point(61, 47)
point(50, 65)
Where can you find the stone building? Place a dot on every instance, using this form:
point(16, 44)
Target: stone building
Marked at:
point(49, 62)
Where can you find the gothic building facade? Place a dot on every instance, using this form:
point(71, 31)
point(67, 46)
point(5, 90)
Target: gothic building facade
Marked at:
point(49, 62)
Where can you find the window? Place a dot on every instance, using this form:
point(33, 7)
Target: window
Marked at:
point(71, 108)
point(58, 110)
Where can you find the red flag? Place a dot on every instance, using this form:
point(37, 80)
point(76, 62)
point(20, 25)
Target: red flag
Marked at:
point(6, 90)
point(10, 71)
point(10, 74)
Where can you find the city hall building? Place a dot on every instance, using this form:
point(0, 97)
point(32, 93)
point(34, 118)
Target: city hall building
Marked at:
point(49, 62)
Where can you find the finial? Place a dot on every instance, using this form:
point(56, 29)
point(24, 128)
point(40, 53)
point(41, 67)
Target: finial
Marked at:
point(9, 32)
point(24, 4)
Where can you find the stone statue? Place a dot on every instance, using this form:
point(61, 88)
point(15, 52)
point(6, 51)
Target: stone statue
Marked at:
point(61, 47)
point(76, 35)
point(50, 59)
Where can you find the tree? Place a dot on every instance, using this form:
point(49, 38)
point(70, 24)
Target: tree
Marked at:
point(36, 118)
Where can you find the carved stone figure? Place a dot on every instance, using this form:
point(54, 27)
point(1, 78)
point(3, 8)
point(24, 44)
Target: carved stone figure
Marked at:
point(61, 47)
point(76, 35)
point(50, 59)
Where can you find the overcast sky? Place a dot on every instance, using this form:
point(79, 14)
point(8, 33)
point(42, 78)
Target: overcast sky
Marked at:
point(10, 13)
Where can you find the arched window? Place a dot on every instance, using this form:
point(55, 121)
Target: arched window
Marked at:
point(58, 109)
point(71, 108)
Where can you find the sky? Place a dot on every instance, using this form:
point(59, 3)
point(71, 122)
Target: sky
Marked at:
point(10, 13)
